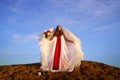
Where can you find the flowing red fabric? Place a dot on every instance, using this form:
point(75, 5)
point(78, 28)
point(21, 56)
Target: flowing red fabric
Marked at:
point(57, 54)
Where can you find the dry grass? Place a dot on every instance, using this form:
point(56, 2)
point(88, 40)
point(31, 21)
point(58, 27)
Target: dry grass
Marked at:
point(87, 71)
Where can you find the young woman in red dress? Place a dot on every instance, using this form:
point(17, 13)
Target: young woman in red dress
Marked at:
point(60, 50)
point(58, 33)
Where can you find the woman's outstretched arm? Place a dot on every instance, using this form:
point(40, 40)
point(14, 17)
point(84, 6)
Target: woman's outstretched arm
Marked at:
point(51, 38)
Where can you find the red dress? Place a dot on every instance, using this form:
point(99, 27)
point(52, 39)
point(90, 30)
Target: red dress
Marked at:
point(57, 54)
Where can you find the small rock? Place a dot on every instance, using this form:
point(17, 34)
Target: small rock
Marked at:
point(39, 73)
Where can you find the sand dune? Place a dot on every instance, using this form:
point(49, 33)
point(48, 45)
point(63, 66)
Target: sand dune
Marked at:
point(88, 70)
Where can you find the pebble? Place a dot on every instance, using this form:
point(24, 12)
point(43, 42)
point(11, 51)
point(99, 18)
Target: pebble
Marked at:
point(39, 73)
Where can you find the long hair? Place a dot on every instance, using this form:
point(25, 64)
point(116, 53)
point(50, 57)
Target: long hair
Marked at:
point(58, 32)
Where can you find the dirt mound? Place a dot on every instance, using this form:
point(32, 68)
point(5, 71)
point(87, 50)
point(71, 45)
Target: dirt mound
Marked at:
point(88, 70)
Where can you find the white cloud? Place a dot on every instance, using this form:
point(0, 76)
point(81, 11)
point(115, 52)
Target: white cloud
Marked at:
point(11, 19)
point(6, 52)
point(94, 7)
point(17, 37)
point(100, 28)
point(63, 21)
point(18, 7)
point(24, 38)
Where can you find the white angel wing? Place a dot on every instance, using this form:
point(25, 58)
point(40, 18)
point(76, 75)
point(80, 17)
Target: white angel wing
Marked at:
point(69, 35)
point(78, 49)
point(44, 47)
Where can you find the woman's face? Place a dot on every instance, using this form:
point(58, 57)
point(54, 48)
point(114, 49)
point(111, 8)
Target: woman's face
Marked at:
point(59, 28)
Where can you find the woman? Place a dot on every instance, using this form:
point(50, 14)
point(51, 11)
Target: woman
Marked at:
point(58, 34)
point(60, 50)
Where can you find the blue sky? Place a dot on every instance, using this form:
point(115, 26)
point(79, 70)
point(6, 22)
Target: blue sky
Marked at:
point(95, 22)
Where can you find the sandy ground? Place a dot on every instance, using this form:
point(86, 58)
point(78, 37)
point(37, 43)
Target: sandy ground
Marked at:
point(88, 70)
